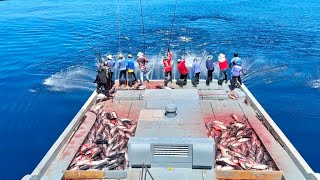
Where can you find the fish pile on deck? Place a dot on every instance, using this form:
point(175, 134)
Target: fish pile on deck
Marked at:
point(105, 147)
point(238, 147)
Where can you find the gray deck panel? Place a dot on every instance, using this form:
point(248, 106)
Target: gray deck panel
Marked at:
point(128, 95)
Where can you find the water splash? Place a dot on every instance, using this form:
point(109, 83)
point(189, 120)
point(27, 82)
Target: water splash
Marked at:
point(72, 78)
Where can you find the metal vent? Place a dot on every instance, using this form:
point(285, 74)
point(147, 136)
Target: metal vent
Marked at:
point(171, 151)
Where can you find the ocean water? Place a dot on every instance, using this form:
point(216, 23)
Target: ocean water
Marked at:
point(46, 69)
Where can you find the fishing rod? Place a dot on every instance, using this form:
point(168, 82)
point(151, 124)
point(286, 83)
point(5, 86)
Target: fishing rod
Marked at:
point(118, 18)
point(173, 18)
point(142, 21)
point(96, 53)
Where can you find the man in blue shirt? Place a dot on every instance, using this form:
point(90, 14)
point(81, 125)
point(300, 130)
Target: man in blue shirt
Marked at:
point(210, 68)
point(131, 69)
point(122, 65)
point(235, 60)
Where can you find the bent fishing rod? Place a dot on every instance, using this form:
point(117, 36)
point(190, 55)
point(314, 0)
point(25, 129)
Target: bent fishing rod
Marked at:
point(96, 53)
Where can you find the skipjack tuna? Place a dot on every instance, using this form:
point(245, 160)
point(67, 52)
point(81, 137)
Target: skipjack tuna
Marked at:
point(238, 147)
point(105, 147)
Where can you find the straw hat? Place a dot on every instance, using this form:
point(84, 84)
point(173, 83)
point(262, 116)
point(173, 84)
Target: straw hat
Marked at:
point(129, 55)
point(120, 56)
point(210, 57)
point(109, 56)
point(140, 54)
point(221, 57)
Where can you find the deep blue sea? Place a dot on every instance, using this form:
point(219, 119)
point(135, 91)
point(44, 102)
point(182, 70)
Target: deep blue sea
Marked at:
point(40, 55)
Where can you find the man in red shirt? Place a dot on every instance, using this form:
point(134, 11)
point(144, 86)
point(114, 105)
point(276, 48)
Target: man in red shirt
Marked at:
point(167, 67)
point(182, 68)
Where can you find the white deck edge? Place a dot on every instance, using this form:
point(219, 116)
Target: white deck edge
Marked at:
point(44, 164)
point(284, 141)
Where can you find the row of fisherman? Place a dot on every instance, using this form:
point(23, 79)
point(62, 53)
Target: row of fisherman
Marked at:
point(127, 66)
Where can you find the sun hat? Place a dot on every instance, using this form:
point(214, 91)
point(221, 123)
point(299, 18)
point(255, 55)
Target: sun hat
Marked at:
point(140, 54)
point(179, 60)
point(221, 57)
point(120, 56)
point(109, 56)
point(129, 55)
point(210, 57)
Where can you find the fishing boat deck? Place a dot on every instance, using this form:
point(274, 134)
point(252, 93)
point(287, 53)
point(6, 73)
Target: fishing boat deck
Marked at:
point(196, 105)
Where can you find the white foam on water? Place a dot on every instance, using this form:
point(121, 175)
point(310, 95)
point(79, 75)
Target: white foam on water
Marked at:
point(71, 78)
point(185, 38)
point(315, 84)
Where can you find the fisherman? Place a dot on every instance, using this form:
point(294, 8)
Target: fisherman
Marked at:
point(223, 65)
point(167, 67)
point(196, 70)
point(130, 69)
point(122, 64)
point(210, 68)
point(142, 60)
point(111, 64)
point(182, 68)
point(103, 79)
point(236, 72)
point(235, 60)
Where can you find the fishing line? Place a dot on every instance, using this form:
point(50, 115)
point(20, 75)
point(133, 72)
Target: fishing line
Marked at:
point(173, 18)
point(267, 69)
point(96, 53)
point(143, 34)
point(118, 19)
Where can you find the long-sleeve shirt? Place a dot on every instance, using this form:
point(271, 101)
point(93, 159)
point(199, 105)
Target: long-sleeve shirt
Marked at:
point(142, 60)
point(223, 65)
point(236, 70)
point(167, 63)
point(236, 60)
point(209, 64)
point(130, 65)
point(122, 64)
point(111, 64)
point(196, 67)
point(182, 68)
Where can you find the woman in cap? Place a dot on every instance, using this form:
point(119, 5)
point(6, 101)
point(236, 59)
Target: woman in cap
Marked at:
point(223, 65)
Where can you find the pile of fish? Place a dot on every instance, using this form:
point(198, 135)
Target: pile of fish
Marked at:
point(105, 147)
point(238, 147)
